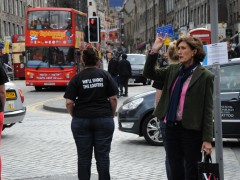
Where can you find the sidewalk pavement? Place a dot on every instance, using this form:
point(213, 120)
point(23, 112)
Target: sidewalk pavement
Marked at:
point(59, 106)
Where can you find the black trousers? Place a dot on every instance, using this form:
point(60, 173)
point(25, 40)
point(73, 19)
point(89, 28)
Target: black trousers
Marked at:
point(123, 82)
point(184, 151)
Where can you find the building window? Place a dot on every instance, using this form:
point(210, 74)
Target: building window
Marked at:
point(18, 29)
point(195, 17)
point(4, 5)
point(8, 7)
point(9, 29)
point(20, 9)
point(16, 8)
point(13, 7)
point(14, 29)
point(4, 28)
point(191, 18)
point(199, 16)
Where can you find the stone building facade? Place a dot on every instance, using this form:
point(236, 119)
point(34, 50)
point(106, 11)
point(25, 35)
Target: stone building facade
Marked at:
point(142, 18)
point(233, 18)
point(13, 15)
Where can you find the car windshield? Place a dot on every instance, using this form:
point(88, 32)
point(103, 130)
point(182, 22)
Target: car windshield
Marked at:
point(136, 59)
point(50, 56)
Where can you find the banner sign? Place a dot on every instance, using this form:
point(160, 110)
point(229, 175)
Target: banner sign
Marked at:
point(166, 29)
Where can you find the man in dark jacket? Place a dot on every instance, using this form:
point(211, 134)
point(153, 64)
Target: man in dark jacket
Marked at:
point(231, 53)
point(164, 60)
point(125, 72)
point(113, 69)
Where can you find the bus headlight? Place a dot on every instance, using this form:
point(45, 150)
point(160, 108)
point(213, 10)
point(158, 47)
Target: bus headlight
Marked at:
point(30, 75)
point(67, 76)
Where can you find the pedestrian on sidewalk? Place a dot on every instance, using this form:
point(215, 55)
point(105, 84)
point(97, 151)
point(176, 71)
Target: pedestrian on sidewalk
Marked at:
point(113, 69)
point(91, 101)
point(125, 72)
point(171, 57)
point(3, 80)
point(186, 105)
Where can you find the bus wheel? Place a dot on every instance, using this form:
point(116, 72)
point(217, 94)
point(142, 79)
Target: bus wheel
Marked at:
point(38, 88)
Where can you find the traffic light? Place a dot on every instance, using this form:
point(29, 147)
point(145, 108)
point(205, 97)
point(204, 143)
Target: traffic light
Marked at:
point(93, 29)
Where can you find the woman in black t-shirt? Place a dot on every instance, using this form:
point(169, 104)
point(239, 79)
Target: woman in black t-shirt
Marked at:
point(91, 101)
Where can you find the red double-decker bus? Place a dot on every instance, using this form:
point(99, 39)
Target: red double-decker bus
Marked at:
point(54, 38)
point(18, 59)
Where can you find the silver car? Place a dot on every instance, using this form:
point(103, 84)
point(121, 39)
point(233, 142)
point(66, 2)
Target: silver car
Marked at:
point(137, 62)
point(14, 110)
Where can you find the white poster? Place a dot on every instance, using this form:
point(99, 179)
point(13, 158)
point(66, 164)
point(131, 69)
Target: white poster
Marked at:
point(216, 53)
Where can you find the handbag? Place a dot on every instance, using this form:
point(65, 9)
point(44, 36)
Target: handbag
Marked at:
point(208, 170)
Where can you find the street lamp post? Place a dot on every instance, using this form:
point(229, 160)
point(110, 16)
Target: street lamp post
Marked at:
point(217, 101)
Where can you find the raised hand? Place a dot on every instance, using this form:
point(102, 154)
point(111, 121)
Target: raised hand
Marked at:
point(159, 42)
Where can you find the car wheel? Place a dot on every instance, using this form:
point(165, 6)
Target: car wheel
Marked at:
point(38, 88)
point(151, 131)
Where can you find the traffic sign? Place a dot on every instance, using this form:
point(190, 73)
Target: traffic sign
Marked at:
point(166, 29)
point(1, 45)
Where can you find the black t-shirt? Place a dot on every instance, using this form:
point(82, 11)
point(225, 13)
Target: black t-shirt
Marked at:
point(90, 90)
point(3, 80)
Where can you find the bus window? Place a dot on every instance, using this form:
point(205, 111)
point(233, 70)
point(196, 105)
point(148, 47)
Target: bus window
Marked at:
point(49, 20)
point(39, 25)
point(38, 55)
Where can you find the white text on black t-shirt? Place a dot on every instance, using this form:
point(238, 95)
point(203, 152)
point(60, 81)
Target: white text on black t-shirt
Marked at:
point(92, 83)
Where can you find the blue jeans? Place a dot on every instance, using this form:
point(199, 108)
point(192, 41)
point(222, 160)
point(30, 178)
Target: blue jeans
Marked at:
point(92, 133)
point(163, 131)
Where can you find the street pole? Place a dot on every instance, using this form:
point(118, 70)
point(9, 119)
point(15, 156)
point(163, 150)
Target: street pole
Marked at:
point(146, 24)
point(154, 19)
point(217, 100)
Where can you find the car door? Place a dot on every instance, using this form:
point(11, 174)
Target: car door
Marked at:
point(230, 99)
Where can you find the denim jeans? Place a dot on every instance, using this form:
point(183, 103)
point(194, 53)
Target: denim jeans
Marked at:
point(89, 134)
point(163, 131)
point(184, 151)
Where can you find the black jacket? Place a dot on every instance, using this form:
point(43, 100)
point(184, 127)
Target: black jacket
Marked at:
point(113, 67)
point(125, 69)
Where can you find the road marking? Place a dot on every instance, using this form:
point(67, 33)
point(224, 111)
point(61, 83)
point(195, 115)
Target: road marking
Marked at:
point(34, 106)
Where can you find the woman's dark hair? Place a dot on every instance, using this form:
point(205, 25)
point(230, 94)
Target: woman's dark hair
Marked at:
point(194, 43)
point(90, 56)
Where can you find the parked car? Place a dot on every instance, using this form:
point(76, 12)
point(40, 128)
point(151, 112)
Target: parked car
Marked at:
point(137, 62)
point(135, 115)
point(14, 110)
